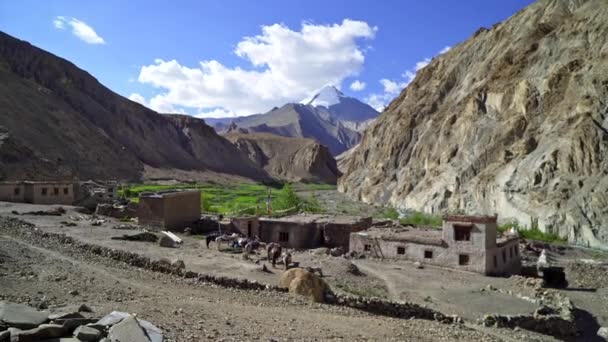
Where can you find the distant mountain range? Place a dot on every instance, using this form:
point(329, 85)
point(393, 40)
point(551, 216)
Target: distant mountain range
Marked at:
point(330, 117)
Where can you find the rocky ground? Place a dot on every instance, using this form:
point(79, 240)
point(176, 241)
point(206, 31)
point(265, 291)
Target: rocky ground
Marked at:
point(49, 275)
point(35, 271)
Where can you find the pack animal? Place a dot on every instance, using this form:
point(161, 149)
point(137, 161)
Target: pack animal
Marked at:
point(274, 251)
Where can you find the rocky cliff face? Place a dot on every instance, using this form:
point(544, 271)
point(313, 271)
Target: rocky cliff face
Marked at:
point(58, 121)
point(512, 121)
point(288, 159)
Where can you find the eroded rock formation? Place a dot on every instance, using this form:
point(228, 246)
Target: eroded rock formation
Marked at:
point(512, 121)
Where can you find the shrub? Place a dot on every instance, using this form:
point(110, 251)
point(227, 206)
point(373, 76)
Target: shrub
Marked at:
point(390, 213)
point(422, 219)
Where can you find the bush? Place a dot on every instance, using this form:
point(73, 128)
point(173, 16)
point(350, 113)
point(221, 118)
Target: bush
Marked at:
point(533, 233)
point(422, 219)
point(287, 199)
point(390, 213)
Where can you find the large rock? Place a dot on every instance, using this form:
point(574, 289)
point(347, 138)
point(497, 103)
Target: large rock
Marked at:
point(42, 332)
point(127, 330)
point(113, 318)
point(21, 316)
point(511, 121)
point(603, 332)
point(303, 283)
point(85, 333)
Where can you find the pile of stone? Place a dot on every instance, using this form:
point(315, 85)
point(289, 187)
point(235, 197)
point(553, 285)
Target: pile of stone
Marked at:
point(22, 323)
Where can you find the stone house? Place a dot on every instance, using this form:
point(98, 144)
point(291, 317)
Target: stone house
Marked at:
point(303, 230)
point(48, 192)
point(465, 242)
point(172, 209)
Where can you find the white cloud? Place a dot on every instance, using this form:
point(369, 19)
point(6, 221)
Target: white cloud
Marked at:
point(80, 29)
point(357, 85)
point(59, 23)
point(138, 98)
point(216, 113)
point(393, 87)
point(287, 65)
point(445, 49)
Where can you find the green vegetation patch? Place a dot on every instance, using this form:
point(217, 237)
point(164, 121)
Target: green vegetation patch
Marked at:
point(241, 199)
point(422, 219)
point(533, 233)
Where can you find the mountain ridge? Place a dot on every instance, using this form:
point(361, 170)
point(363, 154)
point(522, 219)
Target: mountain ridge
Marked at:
point(60, 122)
point(334, 120)
point(511, 121)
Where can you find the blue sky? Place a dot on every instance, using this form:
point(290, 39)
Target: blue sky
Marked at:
point(152, 51)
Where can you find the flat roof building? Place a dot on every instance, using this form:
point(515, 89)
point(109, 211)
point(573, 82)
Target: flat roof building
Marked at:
point(464, 242)
point(43, 192)
point(303, 230)
point(172, 209)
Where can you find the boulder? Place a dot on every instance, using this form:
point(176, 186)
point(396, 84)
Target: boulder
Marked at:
point(114, 317)
point(603, 332)
point(42, 332)
point(303, 283)
point(418, 265)
point(85, 333)
point(21, 316)
point(127, 330)
point(166, 241)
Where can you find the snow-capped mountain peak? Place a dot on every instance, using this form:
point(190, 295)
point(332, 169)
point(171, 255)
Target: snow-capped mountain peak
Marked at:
point(326, 97)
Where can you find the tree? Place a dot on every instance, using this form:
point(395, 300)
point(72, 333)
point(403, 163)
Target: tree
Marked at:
point(286, 199)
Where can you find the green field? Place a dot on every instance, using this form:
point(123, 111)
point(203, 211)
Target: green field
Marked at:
point(239, 198)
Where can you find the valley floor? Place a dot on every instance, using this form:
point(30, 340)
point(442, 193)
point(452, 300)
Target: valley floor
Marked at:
point(186, 310)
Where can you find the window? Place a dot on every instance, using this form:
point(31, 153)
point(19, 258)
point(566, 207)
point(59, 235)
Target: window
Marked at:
point(43, 191)
point(463, 259)
point(462, 233)
point(428, 254)
point(249, 229)
point(283, 236)
point(17, 191)
point(516, 250)
point(66, 191)
point(110, 189)
point(56, 191)
point(400, 250)
point(504, 256)
point(367, 247)
point(495, 261)
point(510, 253)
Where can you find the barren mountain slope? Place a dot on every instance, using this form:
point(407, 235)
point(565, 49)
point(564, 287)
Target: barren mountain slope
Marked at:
point(57, 121)
point(512, 121)
point(290, 159)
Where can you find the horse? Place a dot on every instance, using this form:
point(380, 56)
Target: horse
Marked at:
point(211, 237)
point(225, 238)
point(274, 251)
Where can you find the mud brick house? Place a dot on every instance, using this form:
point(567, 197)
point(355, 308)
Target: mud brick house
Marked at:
point(173, 209)
point(303, 230)
point(50, 192)
point(465, 242)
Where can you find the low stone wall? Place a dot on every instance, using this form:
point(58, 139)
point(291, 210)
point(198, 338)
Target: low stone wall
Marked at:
point(372, 305)
point(391, 309)
point(554, 317)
